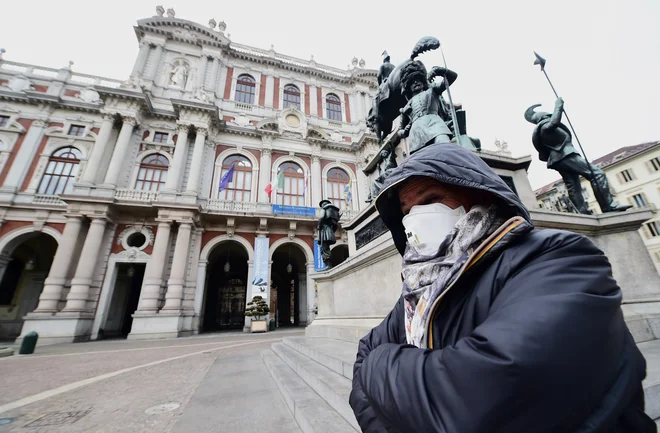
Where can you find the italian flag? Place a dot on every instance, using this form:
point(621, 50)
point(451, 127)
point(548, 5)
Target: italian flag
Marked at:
point(274, 186)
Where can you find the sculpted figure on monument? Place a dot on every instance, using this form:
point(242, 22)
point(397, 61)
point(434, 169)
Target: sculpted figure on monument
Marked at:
point(424, 118)
point(179, 74)
point(328, 224)
point(553, 140)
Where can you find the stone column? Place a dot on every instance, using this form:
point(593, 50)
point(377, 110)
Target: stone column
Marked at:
point(312, 301)
point(264, 174)
point(180, 156)
point(214, 75)
point(96, 156)
point(203, 61)
point(153, 274)
point(179, 265)
point(363, 185)
point(317, 181)
point(248, 298)
point(76, 300)
point(197, 160)
point(355, 196)
point(118, 160)
point(59, 270)
point(19, 168)
point(153, 69)
point(141, 59)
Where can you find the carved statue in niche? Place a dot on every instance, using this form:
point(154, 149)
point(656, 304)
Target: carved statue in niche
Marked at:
point(179, 74)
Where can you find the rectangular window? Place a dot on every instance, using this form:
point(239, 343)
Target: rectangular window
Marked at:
point(654, 228)
point(640, 200)
point(655, 162)
point(77, 130)
point(160, 137)
point(4, 121)
point(626, 175)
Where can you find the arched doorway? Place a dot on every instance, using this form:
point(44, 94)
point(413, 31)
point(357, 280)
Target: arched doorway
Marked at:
point(226, 288)
point(339, 254)
point(24, 265)
point(288, 285)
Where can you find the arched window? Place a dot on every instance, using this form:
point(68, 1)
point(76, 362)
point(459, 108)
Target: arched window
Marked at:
point(338, 180)
point(153, 173)
point(291, 96)
point(245, 89)
point(293, 192)
point(333, 107)
point(240, 185)
point(61, 172)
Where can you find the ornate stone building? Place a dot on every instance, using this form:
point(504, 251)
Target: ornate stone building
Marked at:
point(159, 205)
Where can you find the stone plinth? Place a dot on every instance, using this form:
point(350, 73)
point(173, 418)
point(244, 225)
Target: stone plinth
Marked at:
point(356, 295)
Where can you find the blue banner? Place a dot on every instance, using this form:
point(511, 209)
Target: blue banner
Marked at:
point(319, 264)
point(279, 209)
point(260, 283)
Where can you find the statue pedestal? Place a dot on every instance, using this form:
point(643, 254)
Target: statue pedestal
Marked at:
point(357, 294)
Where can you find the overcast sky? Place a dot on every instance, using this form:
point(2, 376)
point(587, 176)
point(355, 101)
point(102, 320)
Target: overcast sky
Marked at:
point(603, 55)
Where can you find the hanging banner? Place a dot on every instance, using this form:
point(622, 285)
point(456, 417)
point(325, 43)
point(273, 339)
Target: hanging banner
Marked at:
point(260, 283)
point(294, 210)
point(319, 264)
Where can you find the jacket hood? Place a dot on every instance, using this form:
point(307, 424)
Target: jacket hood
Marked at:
point(450, 164)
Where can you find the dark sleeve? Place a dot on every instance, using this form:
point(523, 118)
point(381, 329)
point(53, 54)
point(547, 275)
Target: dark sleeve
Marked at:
point(545, 355)
point(390, 330)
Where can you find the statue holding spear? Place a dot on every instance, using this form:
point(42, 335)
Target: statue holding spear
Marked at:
point(553, 140)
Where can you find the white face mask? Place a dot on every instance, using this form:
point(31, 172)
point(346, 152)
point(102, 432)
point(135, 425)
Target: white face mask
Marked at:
point(428, 225)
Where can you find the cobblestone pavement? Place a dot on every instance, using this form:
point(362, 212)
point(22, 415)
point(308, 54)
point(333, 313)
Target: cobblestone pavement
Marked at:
point(138, 386)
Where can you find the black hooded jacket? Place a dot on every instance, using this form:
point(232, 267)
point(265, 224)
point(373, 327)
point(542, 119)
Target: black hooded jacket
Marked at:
point(530, 338)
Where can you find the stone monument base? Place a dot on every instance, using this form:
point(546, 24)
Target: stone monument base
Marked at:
point(356, 295)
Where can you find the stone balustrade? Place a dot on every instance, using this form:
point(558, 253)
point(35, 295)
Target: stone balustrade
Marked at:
point(242, 106)
point(47, 199)
point(124, 194)
point(232, 206)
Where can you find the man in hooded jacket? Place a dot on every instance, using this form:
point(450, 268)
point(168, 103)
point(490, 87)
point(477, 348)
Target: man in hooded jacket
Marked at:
point(501, 327)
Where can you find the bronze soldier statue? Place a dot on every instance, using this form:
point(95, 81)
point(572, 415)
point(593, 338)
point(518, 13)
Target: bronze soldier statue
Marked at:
point(385, 69)
point(553, 140)
point(424, 118)
point(328, 224)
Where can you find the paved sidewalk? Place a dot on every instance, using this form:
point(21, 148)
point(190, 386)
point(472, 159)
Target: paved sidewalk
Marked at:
point(212, 383)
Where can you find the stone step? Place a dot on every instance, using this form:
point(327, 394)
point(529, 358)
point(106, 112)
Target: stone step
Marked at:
point(343, 332)
point(332, 387)
point(310, 411)
point(651, 351)
point(337, 355)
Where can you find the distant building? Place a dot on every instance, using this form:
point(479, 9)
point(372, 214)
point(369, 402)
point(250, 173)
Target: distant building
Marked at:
point(159, 205)
point(634, 176)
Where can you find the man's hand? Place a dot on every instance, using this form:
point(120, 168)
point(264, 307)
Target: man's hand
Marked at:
point(436, 71)
point(559, 103)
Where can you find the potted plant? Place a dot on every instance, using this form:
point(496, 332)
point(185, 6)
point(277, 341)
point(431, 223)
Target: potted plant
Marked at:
point(257, 308)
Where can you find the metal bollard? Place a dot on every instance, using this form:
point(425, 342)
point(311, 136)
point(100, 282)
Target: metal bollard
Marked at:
point(29, 343)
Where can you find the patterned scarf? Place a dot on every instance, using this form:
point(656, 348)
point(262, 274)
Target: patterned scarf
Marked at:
point(426, 277)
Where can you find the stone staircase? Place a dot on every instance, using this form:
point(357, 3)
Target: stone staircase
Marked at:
point(314, 375)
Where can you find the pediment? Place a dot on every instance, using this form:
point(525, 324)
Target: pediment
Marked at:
point(183, 31)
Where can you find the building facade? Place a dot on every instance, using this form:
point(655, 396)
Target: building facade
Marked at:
point(634, 176)
point(159, 205)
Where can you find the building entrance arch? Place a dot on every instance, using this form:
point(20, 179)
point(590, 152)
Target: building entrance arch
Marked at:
point(225, 286)
point(26, 256)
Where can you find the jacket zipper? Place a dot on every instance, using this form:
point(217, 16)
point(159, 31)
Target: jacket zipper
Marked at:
point(478, 253)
